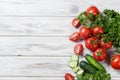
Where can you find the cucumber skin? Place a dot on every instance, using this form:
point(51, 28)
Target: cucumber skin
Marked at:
point(87, 67)
point(94, 62)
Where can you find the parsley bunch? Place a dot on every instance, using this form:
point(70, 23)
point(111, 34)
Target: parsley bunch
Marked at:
point(111, 27)
point(99, 75)
point(109, 20)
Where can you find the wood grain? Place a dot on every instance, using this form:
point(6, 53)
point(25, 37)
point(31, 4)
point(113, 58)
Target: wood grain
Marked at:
point(38, 78)
point(33, 66)
point(32, 78)
point(39, 67)
point(37, 46)
point(35, 26)
point(51, 7)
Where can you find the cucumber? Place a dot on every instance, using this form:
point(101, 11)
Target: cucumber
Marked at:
point(87, 67)
point(94, 62)
point(80, 74)
point(73, 64)
point(76, 69)
point(74, 58)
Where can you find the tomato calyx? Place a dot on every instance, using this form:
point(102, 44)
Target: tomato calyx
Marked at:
point(93, 42)
point(99, 53)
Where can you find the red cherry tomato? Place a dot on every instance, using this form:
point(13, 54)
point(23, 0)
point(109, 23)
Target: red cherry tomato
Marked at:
point(100, 54)
point(78, 49)
point(85, 32)
point(97, 31)
point(74, 37)
point(69, 76)
point(93, 10)
point(91, 43)
point(76, 23)
point(115, 61)
point(105, 45)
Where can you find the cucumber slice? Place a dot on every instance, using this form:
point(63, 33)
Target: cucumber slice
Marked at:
point(73, 64)
point(74, 58)
point(80, 72)
point(76, 69)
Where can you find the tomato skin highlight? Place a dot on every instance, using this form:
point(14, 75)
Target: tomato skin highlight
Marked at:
point(76, 23)
point(97, 31)
point(78, 49)
point(115, 62)
point(93, 10)
point(91, 43)
point(85, 32)
point(69, 76)
point(74, 37)
point(100, 54)
point(105, 45)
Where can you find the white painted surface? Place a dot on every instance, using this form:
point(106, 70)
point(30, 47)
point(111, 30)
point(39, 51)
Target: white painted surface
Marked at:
point(34, 34)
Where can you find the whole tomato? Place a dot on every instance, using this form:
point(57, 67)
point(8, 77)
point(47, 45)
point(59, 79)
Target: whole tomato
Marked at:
point(85, 32)
point(115, 61)
point(76, 23)
point(93, 10)
point(97, 31)
point(105, 45)
point(78, 49)
point(100, 54)
point(69, 76)
point(74, 37)
point(91, 43)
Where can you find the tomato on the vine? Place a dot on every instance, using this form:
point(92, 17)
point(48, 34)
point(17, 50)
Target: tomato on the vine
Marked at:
point(100, 54)
point(92, 43)
point(74, 37)
point(93, 10)
point(76, 23)
point(97, 31)
point(115, 61)
point(69, 76)
point(85, 32)
point(78, 49)
point(105, 45)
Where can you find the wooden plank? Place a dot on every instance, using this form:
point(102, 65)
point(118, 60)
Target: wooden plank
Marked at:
point(33, 66)
point(38, 78)
point(36, 46)
point(35, 26)
point(31, 78)
point(51, 7)
point(39, 67)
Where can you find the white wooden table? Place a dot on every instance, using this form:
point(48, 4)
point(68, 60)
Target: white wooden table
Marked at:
point(34, 34)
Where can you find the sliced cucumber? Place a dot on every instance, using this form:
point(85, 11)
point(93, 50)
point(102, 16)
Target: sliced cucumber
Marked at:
point(74, 58)
point(76, 69)
point(73, 64)
point(80, 72)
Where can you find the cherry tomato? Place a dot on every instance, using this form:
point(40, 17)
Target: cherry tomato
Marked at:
point(115, 61)
point(76, 23)
point(105, 45)
point(100, 54)
point(74, 37)
point(85, 32)
point(91, 43)
point(78, 49)
point(93, 10)
point(97, 31)
point(69, 76)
